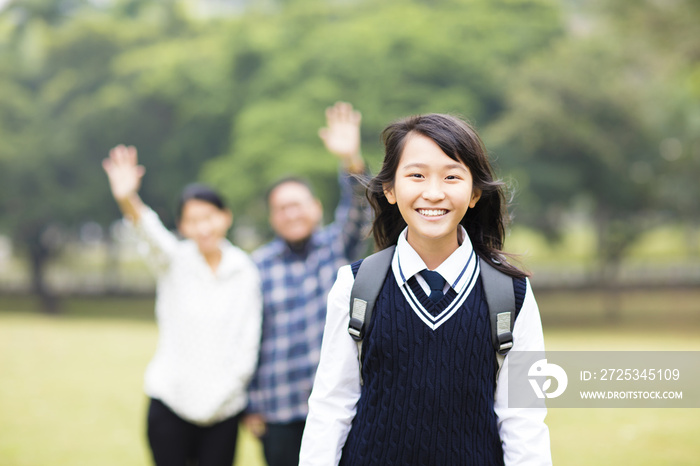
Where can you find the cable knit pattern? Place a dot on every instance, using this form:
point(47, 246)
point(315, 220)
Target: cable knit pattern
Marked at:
point(428, 395)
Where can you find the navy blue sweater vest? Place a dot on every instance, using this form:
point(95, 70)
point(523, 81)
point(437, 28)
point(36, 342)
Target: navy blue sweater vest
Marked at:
point(428, 395)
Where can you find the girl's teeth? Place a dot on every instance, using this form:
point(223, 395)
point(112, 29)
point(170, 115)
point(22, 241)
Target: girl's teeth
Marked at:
point(432, 212)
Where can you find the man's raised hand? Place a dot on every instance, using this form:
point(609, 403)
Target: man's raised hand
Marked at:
point(341, 135)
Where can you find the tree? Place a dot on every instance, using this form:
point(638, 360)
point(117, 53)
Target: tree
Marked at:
point(80, 86)
point(663, 37)
point(589, 123)
point(246, 91)
point(390, 59)
point(575, 133)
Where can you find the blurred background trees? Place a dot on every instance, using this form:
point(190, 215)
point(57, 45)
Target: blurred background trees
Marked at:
point(591, 106)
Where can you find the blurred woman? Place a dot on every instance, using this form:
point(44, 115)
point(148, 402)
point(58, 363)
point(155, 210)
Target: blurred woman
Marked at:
point(208, 310)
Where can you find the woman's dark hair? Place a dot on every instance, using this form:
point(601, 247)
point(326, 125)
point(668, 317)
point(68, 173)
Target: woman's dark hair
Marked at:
point(485, 222)
point(199, 192)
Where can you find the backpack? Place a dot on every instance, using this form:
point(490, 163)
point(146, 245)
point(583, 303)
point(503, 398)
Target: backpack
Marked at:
point(498, 288)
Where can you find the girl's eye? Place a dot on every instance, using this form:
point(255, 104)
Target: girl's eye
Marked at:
point(415, 175)
point(452, 177)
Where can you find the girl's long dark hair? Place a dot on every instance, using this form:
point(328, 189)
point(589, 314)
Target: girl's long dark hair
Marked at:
point(485, 222)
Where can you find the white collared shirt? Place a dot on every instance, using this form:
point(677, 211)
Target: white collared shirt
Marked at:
point(336, 391)
point(407, 263)
point(209, 325)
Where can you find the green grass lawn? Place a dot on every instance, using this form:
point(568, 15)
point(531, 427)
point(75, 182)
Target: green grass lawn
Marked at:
point(624, 436)
point(71, 392)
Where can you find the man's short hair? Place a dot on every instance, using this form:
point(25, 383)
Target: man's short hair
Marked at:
point(289, 179)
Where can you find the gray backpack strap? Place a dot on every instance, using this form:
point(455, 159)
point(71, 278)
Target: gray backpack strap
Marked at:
point(500, 298)
point(498, 288)
point(368, 282)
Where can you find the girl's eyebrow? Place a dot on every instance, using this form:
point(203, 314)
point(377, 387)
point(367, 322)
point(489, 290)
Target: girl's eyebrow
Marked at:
point(424, 166)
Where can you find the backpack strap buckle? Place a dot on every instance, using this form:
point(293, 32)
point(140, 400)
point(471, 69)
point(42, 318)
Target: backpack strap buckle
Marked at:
point(504, 336)
point(505, 342)
point(356, 327)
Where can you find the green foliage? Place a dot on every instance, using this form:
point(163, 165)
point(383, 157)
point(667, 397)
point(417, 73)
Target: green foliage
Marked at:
point(662, 36)
point(576, 133)
point(249, 90)
point(390, 60)
point(591, 106)
point(84, 82)
point(596, 124)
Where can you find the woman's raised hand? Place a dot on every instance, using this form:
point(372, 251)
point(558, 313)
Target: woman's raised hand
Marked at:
point(123, 171)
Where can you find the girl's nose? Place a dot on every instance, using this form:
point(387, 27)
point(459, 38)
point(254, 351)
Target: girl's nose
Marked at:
point(433, 192)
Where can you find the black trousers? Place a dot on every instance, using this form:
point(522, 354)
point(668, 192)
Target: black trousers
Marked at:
point(176, 442)
point(282, 442)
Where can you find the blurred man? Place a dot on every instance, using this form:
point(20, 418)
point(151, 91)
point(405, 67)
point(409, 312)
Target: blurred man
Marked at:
point(297, 270)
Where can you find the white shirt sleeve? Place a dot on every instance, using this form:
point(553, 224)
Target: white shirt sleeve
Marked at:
point(158, 244)
point(336, 390)
point(524, 435)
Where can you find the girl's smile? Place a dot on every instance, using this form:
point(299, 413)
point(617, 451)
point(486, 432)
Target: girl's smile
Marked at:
point(432, 212)
point(433, 193)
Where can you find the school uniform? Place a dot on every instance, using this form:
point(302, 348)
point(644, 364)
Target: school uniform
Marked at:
point(429, 393)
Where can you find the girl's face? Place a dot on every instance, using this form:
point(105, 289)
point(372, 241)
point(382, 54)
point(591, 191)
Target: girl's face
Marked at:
point(205, 224)
point(432, 192)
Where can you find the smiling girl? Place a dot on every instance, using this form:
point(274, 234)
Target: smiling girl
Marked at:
point(430, 393)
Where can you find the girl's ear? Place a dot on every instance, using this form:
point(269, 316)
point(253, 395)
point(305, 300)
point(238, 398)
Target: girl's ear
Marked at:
point(476, 195)
point(389, 194)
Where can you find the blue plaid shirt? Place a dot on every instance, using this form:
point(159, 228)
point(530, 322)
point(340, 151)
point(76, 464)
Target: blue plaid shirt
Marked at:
point(295, 288)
